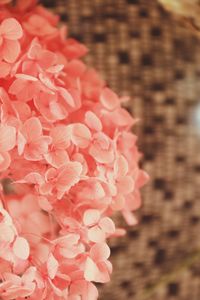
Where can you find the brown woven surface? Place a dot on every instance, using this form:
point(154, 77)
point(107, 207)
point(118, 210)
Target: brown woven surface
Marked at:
point(144, 53)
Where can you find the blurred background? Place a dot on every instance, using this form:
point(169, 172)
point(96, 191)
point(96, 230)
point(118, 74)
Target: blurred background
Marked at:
point(143, 51)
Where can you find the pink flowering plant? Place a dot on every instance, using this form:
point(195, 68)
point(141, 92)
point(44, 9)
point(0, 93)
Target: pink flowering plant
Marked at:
point(68, 161)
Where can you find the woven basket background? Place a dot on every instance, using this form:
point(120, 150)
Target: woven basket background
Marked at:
point(143, 52)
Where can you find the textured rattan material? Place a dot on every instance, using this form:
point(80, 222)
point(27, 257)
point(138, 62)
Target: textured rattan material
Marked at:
point(143, 52)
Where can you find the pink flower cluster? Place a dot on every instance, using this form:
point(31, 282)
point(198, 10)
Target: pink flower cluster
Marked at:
point(68, 161)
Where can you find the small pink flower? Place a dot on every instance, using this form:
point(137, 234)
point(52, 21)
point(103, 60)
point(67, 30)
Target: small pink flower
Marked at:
point(55, 103)
point(10, 33)
point(31, 142)
point(109, 99)
point(68, 246)
point(57, 155)
point(102, 149)
point(50, 108)
point(98, 227)
point(61, 180)
point(80, 135)
point(25, 87)
point(15, 286)
point(97, 267)
point(38, 59)
point(123, 180)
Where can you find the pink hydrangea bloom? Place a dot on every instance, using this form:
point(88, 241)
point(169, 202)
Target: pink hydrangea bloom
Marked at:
point(68, 161)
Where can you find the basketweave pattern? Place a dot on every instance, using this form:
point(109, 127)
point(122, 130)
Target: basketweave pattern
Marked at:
point(143, 52)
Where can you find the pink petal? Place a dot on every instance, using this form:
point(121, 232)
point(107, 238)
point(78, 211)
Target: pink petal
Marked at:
point(29, 275)
point(34, 178)
point(7, 137)
point(11, 29)
point(47, 82)
point(120, 166)
point(55, 69)
point(92, 292)
point(19, 292)
point(92, 121)
point(68, 177)
point(46, 189)
point(17, 86)
point(96, 234)
point(67, 97)
point(37, 149)
point(107, 225)
point(39, 26)
point(81, 135)
point(74, 49)
point(48, 106)
point(143, 178)
point(105, 269)
point(91, 217)
point(98, 191)
point(32, 129)
point(121, 117)
point(21, 142)
point(133, 201)
point(104, 156)
point(57, 158)
point(61, 136)
point(93, 273)
point(34, 50)
point(126, 185)
point(118, 202)
point(75, 68)
point(38, 222)
point(22, 110)
point(52, 266)
point(87, 290)
point(100, 252)
point(71, 252)
point(109, 99)
point(26, 77)
point(67, 240)
point(11, 50)
point(47, 59)
point(51, 174)
point(57, 110)
point(91, 270)
point(24, 89)
point(5, 161)
point(21, 248)
point(56, 291)
point(4, 69)
point(129, 217)
point(16, 280)
point(7, 235)
point(44, 204)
